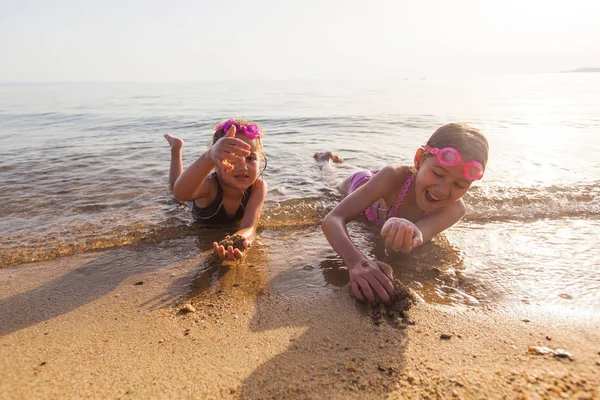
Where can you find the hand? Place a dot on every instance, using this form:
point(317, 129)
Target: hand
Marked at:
point(372, 279)
point(401, 235)
point(228, 149)
point(230, 253)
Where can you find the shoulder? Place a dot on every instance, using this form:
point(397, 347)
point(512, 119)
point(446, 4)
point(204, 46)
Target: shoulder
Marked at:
point(399, 173)
point(208, 188)
point(260, 186)
point(457, 210)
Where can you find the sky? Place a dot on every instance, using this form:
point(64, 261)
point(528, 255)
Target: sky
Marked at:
point(179, 40)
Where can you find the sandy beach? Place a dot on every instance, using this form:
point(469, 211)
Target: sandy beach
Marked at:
point(76, 327)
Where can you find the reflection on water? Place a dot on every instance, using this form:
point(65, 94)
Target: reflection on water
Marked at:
point(311, 269)
point(537, 262)
point(472, 264)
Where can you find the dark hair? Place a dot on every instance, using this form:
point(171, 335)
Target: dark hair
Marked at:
point(469, 141)
point(221, 132)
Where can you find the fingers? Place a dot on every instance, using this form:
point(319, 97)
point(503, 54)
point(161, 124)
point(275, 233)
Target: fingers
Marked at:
point(386, 228)
point(377, 283)
point(398, 236)
point(237, 253)
point(220, 250)
point(372, 280)
point(231, 132)
point(236, 147)
point(386, 281)
point(357, 292)
point(367, 292)
point(386, 269)
point(230, 149)
point(390, 240)
point(230, 255)
point(407, 240)
point(417, 238)
point(234, 150)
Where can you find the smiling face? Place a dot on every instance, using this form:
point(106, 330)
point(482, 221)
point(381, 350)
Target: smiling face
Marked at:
point(436, 185)
point(244, 173)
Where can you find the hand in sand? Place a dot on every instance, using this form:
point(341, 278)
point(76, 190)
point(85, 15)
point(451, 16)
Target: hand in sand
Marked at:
point(228, 149)
point(370, 280)
point(401, 235)
point(230, 253)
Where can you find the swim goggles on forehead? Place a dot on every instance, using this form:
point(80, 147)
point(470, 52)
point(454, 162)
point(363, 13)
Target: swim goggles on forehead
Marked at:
point(250, 130)
point(450, 157)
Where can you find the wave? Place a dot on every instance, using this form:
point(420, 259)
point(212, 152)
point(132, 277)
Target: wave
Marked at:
point(486, 204)
point(498, 203)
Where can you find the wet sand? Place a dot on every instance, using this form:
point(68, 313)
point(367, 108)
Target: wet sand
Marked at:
point(109, 325)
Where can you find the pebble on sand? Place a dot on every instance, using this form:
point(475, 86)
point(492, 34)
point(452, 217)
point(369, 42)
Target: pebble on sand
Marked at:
point(188, 308)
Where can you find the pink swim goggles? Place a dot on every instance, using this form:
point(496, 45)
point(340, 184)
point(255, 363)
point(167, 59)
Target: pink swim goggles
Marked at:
point(250, 130)
point(450, 157)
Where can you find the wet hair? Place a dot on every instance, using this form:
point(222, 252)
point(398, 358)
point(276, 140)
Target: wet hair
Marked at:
point(259, 147)
point(469, 141)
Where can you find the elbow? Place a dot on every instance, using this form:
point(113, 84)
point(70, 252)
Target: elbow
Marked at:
point(327, 222)
point(461, 209)
point(179, 194)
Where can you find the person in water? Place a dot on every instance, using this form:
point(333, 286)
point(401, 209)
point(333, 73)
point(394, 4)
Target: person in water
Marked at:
point(223, 185)
point(412, 204)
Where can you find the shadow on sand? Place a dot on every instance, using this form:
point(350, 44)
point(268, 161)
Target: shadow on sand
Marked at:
point(340, 354)
point(88, 282)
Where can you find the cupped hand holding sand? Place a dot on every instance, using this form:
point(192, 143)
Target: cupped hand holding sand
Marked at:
point(231, 248)
point(401, 235)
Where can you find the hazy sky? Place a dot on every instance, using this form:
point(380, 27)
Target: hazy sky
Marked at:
point(146, 40)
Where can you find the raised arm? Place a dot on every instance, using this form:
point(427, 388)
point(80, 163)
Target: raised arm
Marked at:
point(190, 184)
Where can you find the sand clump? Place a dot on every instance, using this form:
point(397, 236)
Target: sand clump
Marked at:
point(396, 311)
point(235, 241)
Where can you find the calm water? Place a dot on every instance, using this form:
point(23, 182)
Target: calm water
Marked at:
point(84, 166)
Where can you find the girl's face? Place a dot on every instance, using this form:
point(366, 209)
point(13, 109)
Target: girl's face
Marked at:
point(437, 186)
point(244, 173)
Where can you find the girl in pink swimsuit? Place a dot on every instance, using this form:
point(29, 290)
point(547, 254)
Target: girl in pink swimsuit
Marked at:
point(412, 204)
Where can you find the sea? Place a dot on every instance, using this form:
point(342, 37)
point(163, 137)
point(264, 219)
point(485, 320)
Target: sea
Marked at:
point(84, 168)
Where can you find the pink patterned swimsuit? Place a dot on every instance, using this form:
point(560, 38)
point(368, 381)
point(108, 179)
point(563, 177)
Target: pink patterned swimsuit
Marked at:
point(376, 213)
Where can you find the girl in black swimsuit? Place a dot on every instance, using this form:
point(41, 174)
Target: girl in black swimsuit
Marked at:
point(224, 184)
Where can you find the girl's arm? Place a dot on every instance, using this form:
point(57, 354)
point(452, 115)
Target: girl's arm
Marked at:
point(368, 279)
point(252, 212)
point(249, 222)
point(192, 183)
